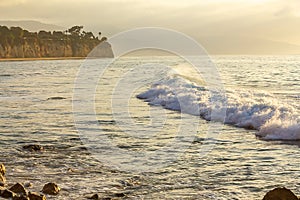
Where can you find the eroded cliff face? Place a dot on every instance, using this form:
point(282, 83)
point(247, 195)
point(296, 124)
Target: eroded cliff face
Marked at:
point(34, 48)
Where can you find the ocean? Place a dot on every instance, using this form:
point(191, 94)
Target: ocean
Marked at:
point(153, 127)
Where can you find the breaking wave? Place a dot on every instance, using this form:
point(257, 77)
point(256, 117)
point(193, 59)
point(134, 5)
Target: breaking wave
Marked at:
point(259, 111)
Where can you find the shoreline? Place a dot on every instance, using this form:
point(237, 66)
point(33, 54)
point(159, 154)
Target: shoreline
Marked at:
point(41, 58)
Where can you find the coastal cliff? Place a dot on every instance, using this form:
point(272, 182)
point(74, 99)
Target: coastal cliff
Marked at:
point(18, 43)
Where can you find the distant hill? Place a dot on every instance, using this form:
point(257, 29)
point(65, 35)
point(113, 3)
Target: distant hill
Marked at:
point(32, 26)
point(226, 44)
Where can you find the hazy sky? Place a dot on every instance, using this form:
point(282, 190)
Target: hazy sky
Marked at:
point(205, 20)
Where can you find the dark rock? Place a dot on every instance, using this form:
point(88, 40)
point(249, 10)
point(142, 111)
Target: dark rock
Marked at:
point(280, 194)
point(36, 196)
point(51, 188)
point(19, 189)
point(56, 98)
point(121, 194)
point(28, 185)
point(2, 189)
point(5, 193)
point(2, 169)
point(95, 196)
point(33, 147)
point(22, 197)
point(127, 183)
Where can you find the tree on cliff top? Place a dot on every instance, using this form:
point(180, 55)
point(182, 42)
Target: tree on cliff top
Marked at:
point(75, 31)
point(15, 36)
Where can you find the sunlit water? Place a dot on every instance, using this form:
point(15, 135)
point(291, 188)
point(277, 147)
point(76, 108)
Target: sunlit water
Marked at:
point(240, 165)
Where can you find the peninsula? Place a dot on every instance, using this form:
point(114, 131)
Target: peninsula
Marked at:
point(17, 43)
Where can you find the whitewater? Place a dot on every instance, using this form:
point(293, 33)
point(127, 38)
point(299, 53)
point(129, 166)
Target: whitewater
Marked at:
point(256, 110)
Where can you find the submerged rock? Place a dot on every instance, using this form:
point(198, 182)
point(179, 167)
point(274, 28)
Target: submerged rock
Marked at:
point(36, 196)
point(2, 169)
point(120, 194)
point(33, 147)
point(95, 196)
point(56, 98)
point(126, 183)
point(28, 185)
point(280, 194)
point(19, 189)
point(51, 188)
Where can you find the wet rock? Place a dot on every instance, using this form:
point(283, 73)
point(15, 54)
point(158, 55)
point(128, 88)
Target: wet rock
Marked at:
point(5, 193)
point(2, 169)
point(51, 188)
point(18, 188)
point(120, 194)
point(28, 185)
point(2, 180)
point(70, 170)
point(280, 194)
point(36, 196)
point(2, 189)
point(33, 147)
point(22, 197)
point(95, 196)
point(56, 98)
point(126, 183)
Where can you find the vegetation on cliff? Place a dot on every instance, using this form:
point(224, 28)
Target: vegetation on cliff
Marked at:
point(74, 42)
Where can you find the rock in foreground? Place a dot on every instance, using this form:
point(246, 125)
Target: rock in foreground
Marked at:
point(36, 196)
point(280, 194)
point(51, 188)
point(19, 189)
point(5, 193)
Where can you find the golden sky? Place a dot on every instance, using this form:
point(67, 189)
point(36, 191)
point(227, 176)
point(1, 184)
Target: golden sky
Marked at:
point(215, 23)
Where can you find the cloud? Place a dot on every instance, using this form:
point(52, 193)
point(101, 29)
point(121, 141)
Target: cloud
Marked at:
point(287, 8)
point(269, 19)
point(7, 3)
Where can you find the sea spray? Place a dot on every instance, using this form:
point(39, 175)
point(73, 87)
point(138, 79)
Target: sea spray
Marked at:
point(259, 111)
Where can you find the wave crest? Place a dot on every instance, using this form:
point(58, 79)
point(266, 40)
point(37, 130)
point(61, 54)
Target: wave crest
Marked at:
point(246, 109)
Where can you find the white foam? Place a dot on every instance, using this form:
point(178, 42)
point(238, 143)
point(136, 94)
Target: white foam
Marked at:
point(252, 110)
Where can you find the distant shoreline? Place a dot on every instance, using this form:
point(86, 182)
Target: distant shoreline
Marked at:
point(41, 58)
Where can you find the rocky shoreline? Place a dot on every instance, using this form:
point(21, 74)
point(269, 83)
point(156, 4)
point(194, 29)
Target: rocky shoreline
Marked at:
point(18, 191)
point(26, 190)
point(22, 190)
